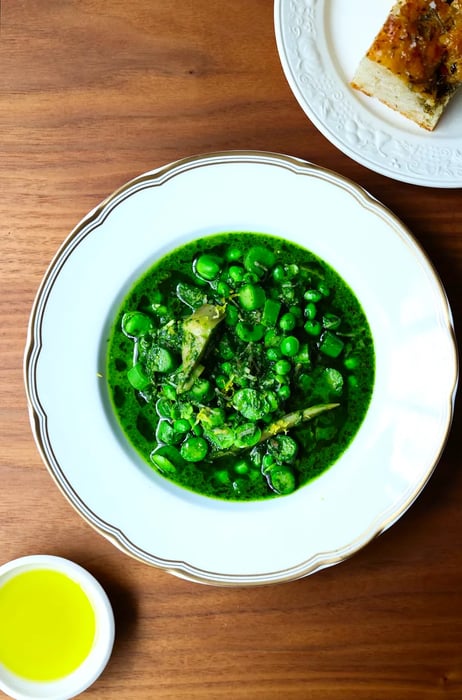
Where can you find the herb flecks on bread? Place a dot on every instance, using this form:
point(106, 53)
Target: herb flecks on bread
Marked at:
point(414, 64)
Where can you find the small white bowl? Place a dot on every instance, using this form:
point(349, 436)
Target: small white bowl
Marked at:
point(91, 668)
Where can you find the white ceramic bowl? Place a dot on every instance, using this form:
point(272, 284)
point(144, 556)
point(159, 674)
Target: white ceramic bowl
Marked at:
point(93, 665)
point(320, 45)
point(374, 481)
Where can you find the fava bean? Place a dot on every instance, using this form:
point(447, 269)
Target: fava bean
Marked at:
point(135, 323)
point(207, 266)
point(251, 297)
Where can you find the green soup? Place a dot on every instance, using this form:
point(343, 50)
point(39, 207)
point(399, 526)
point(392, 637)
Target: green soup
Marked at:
point(240, 366)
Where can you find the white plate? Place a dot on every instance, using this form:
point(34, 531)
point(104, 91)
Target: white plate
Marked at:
point(320, 44)
point(364, 492)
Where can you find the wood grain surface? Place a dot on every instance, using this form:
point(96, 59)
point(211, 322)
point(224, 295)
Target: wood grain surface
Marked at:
point(92, 93)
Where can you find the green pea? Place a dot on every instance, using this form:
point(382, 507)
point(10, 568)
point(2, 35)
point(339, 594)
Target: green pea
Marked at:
point(287, 322)
point(234, 253)
point(241, 467)
point(200, 389)
point(282, 367)
point(310, 311)
point(222, 476)
point(279, 274)
point(282, 481)
point(207, 266)
point(283, 448)
point(194, 449)
point(160, 360)
point(290, 346)
point(223, 289)
point(273, 354)
point(236, 273)
point(281, 379)
point(181, 425)
point(312, 295)
point(247, 435)
point(251, 297)
point(313, 328)
point(291, 270)
point(135, 324)
point(284, 392)
point(249, 333)
point(351, 363)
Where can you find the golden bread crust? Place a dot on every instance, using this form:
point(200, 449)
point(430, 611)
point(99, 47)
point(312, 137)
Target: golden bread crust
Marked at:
point(418, 50)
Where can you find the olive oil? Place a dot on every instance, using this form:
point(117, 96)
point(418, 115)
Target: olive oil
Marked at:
point(47, 625)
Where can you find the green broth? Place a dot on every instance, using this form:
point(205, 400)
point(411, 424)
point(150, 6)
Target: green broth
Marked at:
point(218, 355)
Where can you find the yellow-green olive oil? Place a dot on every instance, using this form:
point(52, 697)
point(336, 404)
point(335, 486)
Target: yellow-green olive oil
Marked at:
point(47, 625)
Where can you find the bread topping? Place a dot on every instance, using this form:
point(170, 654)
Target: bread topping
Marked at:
point(421, 40)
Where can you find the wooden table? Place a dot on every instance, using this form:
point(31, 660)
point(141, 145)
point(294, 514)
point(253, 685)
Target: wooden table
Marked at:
point(93, 93)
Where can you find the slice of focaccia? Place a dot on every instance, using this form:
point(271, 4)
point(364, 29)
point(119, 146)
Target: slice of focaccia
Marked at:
point(414, 64)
